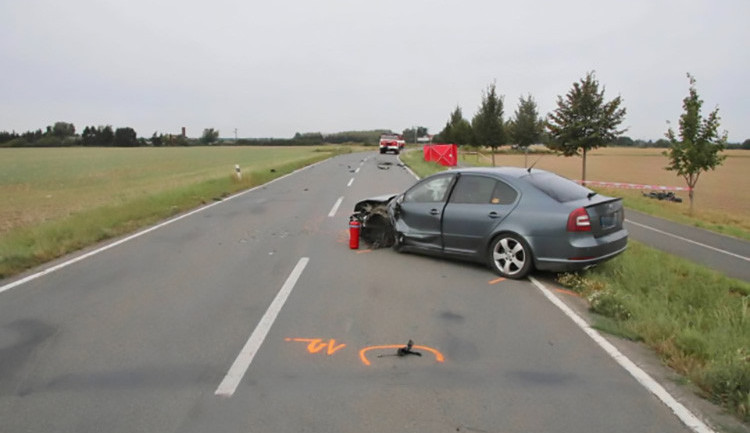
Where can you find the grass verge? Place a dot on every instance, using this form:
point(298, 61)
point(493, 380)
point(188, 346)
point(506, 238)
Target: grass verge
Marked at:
point(27, 247)
point(696, 319)
point(415, 160)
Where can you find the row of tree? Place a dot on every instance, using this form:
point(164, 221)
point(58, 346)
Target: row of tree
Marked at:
point(584, 120)
point(63, 134)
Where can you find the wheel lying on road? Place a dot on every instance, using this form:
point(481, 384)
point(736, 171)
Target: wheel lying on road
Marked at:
point(510, 256)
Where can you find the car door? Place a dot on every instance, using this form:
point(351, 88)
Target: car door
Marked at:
point(476, 206)
point(419, 212)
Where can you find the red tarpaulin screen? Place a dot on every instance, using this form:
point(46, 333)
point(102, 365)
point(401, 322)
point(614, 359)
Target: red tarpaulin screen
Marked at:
point(444, 154)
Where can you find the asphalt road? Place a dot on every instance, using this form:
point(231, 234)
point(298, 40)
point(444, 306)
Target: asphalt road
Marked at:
point(253, 315)
point(725, 254)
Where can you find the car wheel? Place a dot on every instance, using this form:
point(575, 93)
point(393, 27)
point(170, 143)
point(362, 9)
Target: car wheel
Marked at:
point(509, 256)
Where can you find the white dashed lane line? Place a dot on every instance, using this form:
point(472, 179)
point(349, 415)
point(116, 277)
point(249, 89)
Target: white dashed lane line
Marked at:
point(335, 207)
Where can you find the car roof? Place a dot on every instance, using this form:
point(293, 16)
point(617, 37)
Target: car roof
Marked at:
point(513, 172)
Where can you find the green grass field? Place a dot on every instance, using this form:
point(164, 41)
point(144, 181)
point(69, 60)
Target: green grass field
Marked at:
point(55, 201)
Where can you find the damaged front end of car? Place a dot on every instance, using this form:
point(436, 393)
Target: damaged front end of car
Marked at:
point(376, 218)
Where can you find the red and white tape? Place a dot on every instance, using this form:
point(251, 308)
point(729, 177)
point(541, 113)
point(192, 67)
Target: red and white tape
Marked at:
point(633, 186)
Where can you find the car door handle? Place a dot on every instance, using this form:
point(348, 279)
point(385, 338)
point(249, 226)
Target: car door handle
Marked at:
point(434, 212)
point(494, 215)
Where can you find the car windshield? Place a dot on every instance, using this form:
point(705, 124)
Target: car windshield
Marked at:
point(557, 187)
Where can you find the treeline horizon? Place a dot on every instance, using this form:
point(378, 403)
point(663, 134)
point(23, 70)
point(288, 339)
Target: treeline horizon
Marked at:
point(63, 134)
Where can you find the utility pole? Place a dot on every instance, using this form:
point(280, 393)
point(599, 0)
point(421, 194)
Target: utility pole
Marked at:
point(235, 134)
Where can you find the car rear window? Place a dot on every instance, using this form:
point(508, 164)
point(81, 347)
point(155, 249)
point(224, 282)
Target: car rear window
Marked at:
point(557, 187)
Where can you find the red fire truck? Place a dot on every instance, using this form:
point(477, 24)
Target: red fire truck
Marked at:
point(391, 142)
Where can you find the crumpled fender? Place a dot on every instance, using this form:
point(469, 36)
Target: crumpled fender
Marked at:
point(377, 228)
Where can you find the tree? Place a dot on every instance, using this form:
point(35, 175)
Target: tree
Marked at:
point(699, 145)
point(210, 136)
point(746, 144)
point(125, 137)
point(88, 136)
point(487, 124)
point(105, 136)
point(97, 136)
point(457, 130)
point(624, 142)
point(526, 128)
point(412, 134)
point(62, 130)
point(583, 120)
point(157, 139)
point(6, 136)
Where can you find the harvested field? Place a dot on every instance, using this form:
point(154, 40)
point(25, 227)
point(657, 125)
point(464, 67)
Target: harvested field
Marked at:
point(723, 190)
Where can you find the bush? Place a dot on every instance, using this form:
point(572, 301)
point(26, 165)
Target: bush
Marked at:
point(609, 304)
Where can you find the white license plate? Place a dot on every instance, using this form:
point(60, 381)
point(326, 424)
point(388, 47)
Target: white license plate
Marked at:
point(608, 221)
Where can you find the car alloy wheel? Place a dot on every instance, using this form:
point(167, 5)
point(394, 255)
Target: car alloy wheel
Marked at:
point(510, 256)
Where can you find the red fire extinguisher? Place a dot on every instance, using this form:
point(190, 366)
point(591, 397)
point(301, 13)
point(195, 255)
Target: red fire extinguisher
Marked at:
point(354, 226)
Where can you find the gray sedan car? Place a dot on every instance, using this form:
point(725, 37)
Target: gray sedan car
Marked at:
point(513, 219)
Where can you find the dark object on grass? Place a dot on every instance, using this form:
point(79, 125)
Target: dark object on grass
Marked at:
point(663, 195)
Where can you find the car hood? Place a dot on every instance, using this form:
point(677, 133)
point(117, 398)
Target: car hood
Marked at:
point(368, 203)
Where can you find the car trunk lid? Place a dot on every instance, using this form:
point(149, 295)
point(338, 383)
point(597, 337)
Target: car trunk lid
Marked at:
point(606, 215)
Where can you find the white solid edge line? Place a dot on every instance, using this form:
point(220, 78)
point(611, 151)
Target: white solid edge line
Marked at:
point(683, 413)
point(335, 207)
point(237, 371)
point(747, 259)
point(141, 233)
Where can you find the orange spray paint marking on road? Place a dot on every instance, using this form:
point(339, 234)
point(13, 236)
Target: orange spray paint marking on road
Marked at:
point(495, 281)
point(568, 292)
point(362, 353)
point(363, 251)
point(316, 345)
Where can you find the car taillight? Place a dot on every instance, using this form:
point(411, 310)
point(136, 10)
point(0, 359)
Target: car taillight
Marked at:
point(578, 221)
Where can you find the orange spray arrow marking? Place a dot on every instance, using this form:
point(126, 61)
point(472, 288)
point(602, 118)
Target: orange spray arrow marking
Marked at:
point(438, 356)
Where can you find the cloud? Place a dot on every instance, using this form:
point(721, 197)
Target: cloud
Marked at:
point(276, 68)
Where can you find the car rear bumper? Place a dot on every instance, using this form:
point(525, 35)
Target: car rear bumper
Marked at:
point(586, 253)
point(561, 265)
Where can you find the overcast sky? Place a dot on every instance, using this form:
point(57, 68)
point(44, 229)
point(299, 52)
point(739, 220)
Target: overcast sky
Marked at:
point(273, 68)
